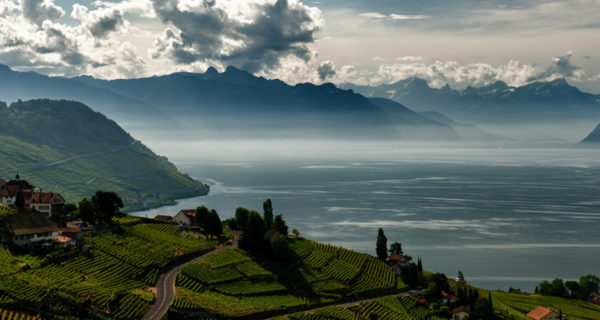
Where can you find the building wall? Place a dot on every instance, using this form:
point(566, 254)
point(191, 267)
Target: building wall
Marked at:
point(37, 237)
point(181, 218)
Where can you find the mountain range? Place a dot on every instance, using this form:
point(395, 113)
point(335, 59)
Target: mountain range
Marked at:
point(549, 102)
point(64, 146)
point(233, 103)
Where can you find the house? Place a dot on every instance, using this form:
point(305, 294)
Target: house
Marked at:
point(164, 218)
point(461, 313)
point(541, 313)
point(594, 297)
point(75, 233)
point(48, 203)
point(397, 262)
point(14, 188)
point(446, 297)
point(28, 228)
point(65, 241)
point(185, 217)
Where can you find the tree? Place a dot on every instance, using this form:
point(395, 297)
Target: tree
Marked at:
point(381, 246)
point(268, 213)
point(20, 200)
point(558, 288)
point(241, 215)
point(589, 283)
point(461, 276)
point(419, 265)
point(484, 310)
point(202, 213)
point(253, 236)
point(296, 232)
point(280, 225)
point(574, 289)
point(107, 205)
point(396, 248)
point(279, 246)
point(212, 224)
point(86, 211)
point(545, 288)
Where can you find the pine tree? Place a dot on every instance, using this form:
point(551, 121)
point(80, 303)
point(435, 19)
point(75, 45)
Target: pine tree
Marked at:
point(280, 225)
point(268, 213)
point(381, 248)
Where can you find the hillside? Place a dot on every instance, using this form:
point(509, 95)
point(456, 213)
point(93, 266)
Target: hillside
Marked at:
point(593, 137)
point(127, 112)
point(64, 146)
point(538, 102)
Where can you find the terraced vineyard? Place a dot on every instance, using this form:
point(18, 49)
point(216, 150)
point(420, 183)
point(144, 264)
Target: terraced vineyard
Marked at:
point(108, 281)
point(387, 308)
point(230, 283)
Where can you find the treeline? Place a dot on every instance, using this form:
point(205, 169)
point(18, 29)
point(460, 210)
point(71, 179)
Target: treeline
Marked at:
point(570, 289)
point(103, 206)
point(264, 233)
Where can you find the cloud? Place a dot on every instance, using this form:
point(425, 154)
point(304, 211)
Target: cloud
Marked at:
point(326, 70)
point(561, 68)
point(100, 22)
point(393, 16)
point(440, 73)
point(253, 35)
point(38, 11)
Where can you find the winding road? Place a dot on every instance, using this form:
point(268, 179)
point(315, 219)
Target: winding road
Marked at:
point(165, 286)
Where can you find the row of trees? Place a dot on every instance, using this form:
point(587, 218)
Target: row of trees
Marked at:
point(260, 233)
point(570, 289)
point(101, 208)
point(208, 220)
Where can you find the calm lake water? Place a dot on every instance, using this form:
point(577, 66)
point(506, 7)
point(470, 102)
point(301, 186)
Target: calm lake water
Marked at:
point(503, 222)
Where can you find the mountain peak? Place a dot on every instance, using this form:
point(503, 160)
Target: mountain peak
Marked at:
point(560, 82)
point(211, 71)
point(594, 136)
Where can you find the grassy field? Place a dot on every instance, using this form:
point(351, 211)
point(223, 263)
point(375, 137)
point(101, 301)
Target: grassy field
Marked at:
point(233, 283)
point(109, 281)
point(518, 305)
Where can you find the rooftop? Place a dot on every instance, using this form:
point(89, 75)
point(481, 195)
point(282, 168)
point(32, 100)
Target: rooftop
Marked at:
point(539, 313)
point(29, 223)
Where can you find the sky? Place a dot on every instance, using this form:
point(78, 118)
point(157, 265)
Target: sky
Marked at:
point(460, 42)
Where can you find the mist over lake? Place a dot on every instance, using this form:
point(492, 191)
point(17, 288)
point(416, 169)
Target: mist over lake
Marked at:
point(505, 216)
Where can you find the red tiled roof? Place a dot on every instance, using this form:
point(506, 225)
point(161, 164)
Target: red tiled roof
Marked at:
point(539, 313)
point(64, 238)
point(164, 217)
point(70, 230)
point(45, 197)
point(395, 257)
point(448, 296)
point(190, 213)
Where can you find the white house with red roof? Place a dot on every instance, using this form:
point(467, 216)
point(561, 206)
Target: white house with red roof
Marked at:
point(185, 217)
point(48, 203)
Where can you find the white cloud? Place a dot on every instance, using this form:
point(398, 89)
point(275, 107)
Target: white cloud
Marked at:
point(392, 16)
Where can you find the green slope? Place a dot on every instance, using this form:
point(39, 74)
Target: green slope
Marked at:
point(66, 147)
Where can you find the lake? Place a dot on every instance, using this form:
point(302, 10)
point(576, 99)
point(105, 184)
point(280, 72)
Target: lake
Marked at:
point(503, 217)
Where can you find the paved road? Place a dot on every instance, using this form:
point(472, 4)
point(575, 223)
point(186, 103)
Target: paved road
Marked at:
point(165, 286)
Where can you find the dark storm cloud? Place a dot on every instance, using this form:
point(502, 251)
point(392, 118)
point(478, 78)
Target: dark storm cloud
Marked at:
point(271, 31)
point(326, 70)
point(38, 11)
point(105, 24)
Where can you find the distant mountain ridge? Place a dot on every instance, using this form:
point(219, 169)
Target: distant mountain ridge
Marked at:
point(66, 147)
point(237, 100)
point(593, 137)
point(233, 103)
point(552, 101)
